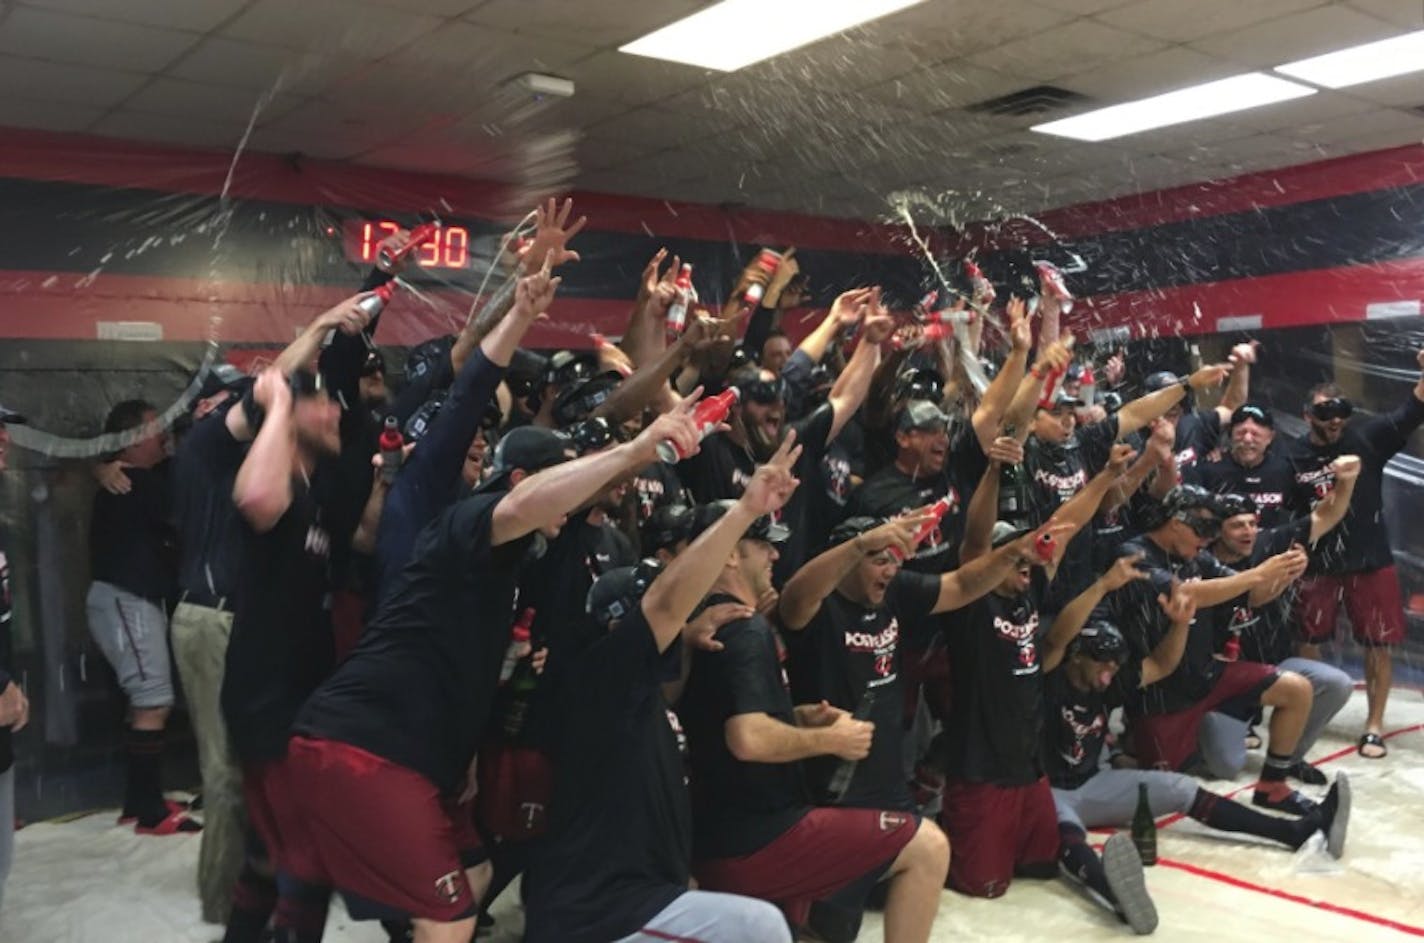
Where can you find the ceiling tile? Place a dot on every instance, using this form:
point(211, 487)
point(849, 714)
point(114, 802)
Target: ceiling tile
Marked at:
point(1405, 91)
point(590, 23)
point(946, 29)
point(192, 131)
point(1363, 124)
point(50, 81)
point(1083, 7)
point(1063, 50)
point(18, 112)
point(329, 26)
point(430, 7)
point(256, 66)
point(61, 37)
point(1301, 113)
point(179, 99)
point(633, 80)
point(1176, 22)
point(194, 15)
point(1296, 37)
point(478, 49)
point(1399, 12)
point(1139, 77)
point(946, 85)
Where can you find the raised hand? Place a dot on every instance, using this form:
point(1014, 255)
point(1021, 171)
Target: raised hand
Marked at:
point(1180, 607)
point(657, 289)
point(1210, 376)
point(1346, 467)
point(677, 425)
point(271, 389)
point(1057, 356)
point(851, 306)
point(879, 322)
point(551, 235)
point(898, 532)
point(1006, 450)
point(346, 315)
point(700, 632)
point(534, 293)
point(788, 269)
point(1020, 331)
point(1123, 571)
point(1244, 353)
point(772, 485)
point(1120, 457)
point(1115, 369)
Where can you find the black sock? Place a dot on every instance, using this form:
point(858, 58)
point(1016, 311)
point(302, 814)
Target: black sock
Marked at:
point(253, 899)
point(301, 911)
point(1273, 775)
point(143, 785)
point(1221, 813)
point(1081, 862)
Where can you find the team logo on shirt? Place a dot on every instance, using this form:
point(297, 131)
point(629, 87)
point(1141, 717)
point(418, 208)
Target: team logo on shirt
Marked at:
point(837, 477)
point(881, 644)
point(1187, 457)
point(1076, 753)
point(1022, 636)
point(449, 886)
point(1065, 485)
point(318, 542)
point(1321, 482)
point(650, 493)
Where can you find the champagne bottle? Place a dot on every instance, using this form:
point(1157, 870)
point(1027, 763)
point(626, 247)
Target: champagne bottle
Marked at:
point(1144, 828)
point(845, 772)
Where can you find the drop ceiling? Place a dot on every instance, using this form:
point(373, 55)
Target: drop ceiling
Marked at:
point(830, 129)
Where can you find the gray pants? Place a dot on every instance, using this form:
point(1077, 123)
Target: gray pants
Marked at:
point(710, 917)
point(200, 639)
point(1110, 797)
point(1222, 738)
point(132, 632)
point(7, 827)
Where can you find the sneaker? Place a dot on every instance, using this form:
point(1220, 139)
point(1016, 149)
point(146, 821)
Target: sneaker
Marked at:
point(1123, 868)
point(1307, 774)
point(176, 822)
point(1293, 803)
point(1335, 810)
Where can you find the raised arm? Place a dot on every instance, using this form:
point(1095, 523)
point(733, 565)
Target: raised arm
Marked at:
point(1074, 616)
point(1181, 609)
point(1238, 388)
point(1330, 512)
point(846, 311)
point(853, 385)
point(998, 398)
point(972, 580)
point(677, 591)
point(262, 490)
point(983, 510)
point(1019, 415)
point(804, 593)
point(1079, 509)
point(1144, 409)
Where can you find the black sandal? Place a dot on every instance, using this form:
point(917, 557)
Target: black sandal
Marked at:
point(1372, 740)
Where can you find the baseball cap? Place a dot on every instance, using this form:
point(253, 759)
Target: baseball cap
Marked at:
point(531, 448)
point(918, 384)
point(8, 417)
point(592, 435)
point(1004, 533)
point(567, 368)
point(1259, 415)
point(1100, 640)
point(580, 399)
point(1230, 505)
point(1160, 380)
point(222, 376)
point(306, 383)
point(851, 528)
point(617, 593)
point(920, 414)
point(763, 528)
point(668, 526)
point(1061, 397)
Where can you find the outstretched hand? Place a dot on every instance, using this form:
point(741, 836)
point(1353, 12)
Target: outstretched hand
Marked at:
point(773, 484)
point(534, 293)
point(551, 235)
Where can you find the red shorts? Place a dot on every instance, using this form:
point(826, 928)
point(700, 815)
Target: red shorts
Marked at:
point(1372, 599)
point(380, 832)
point(269, 800)
point(827, 851)
point(515, 786)
point(995, 831)
point(1167, 741)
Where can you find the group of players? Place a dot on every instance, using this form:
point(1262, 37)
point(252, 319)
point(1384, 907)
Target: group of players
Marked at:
point(879, 613)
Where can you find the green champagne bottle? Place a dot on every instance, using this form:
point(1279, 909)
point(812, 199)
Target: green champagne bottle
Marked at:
point(1144, 828)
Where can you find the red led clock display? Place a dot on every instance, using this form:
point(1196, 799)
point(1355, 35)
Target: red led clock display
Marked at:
point(449, 248)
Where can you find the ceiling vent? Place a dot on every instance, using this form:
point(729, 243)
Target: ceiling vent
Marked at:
point(1029, 101)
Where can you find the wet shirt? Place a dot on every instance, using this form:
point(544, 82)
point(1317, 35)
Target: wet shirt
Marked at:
point(657, 486)
point(1056, 474)
point(132, 543)
point(1075, 724)
point(209, 525)
point(1265, 631)
point(1361, 541)
point(280, 649)
point(1269, 484)
point(738, 806)
point(996, 689)
point(418, 688)
point(849, 652)
point(620, 842)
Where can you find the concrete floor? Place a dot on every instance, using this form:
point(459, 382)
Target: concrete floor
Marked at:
point(89, 881)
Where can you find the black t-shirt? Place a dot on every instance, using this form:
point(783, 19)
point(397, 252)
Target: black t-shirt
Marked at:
point(1076, 724)
point(656, 486)
point(1361, 541)
point(1268, 484)
point(846, 651)
point(1135, 611)
point(996, 686)
point(131, 536)
point(418, 688)
point(1198, 433)
point(620, 840)
point(1265, 631)
point(7, 654)
point(738, 807)
point(1056, 474)
point(721, 469)
point(811, 434)
point(281, 645)
point(209, 525)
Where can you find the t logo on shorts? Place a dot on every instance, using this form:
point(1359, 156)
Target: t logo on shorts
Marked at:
point(448, 886)
point(891, 821)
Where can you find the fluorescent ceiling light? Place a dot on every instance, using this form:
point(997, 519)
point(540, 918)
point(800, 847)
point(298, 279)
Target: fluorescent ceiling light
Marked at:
point(1186, 104)
point(735, 33)
point(1378, 60)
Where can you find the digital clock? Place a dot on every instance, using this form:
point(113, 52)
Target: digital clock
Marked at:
point(448, 248)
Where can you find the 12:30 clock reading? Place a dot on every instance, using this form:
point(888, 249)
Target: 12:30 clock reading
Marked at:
point(448, 248)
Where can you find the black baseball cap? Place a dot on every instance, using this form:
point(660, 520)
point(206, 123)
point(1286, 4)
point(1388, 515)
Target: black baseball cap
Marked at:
point(1061, 397)
point(920, 414)
point(1100, 640)
point(1230, 505)
point(579, 400)
point(1257, 414)
point(592, 435)
point(618, 592)
point(530, 448)
point(8, 417)
point(851, 528)
point(668, 526)
point(222, 377)
point(763, 528)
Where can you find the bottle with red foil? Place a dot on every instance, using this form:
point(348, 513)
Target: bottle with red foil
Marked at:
point(768, 261)
point(388, 260)
point(980, 287)
point(1045, 545)
point(1051, 284)
point(1088, 385)
point(677, 311)
point(937, 511)
point(392, 447)
point(373, 304)
point(708, 414)
point(520, 646)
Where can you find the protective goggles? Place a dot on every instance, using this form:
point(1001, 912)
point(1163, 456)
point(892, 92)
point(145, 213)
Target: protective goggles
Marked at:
point(1204, 527)
point(765, 391)
point(1336, 407)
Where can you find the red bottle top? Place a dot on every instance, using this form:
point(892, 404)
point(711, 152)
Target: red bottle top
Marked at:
point(1232, 650)
point(937, 331)
point(1045, 546)
point(523, 626)
point(937, 511)
point(391, 439)
point(708, 414)
point(684, 276)
point(420, 234)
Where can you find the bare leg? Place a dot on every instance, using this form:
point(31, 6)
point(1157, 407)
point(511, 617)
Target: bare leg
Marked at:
point(1379, 674)
point(1291, 697)
point(916, 883)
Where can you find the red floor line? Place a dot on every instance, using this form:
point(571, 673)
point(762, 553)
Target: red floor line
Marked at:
point(1293, 898)
point(1338, 754)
